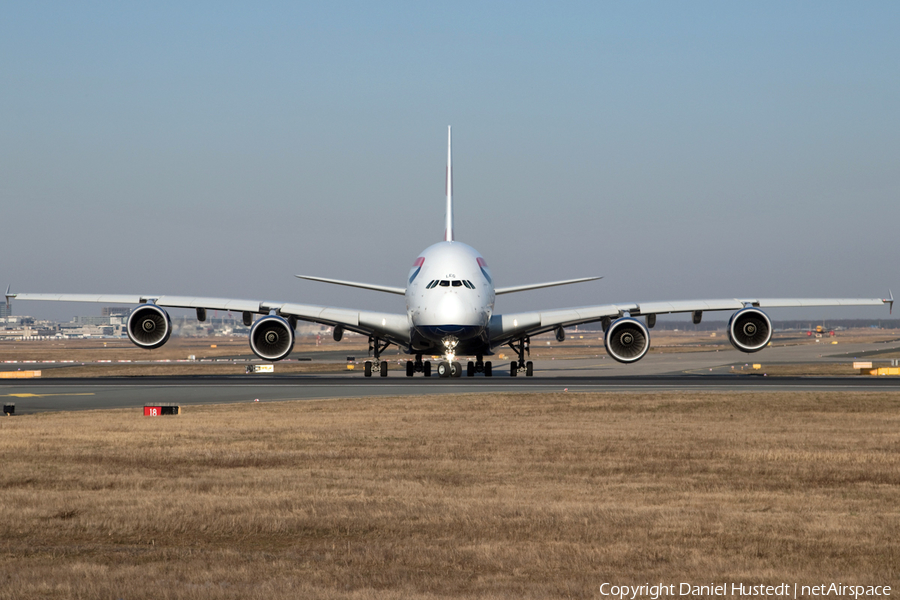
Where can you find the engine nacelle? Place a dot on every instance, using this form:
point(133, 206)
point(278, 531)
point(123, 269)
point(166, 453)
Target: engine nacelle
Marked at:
point(749, 330)
point(271, 338)
point(627, 340)
point(149, 326)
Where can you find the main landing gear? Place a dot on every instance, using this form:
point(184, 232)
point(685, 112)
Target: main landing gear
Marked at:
point(479, 366)
point(377, 346)
point(521, 347)
point(451, 368)
point(418, 367)
point(448, 368)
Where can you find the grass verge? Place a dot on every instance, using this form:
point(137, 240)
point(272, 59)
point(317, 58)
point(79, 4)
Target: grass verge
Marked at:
point(487, 496)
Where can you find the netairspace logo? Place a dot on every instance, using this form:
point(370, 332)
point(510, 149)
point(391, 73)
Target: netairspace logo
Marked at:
point(737, 590)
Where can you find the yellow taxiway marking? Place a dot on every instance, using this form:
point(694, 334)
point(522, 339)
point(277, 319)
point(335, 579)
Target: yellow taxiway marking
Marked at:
point(45, 395)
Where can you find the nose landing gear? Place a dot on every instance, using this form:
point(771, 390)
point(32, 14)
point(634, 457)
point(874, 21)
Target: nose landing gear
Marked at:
point(448, 368)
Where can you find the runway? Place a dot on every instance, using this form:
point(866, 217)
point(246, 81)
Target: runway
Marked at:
point(665, 372)
point(92, 394)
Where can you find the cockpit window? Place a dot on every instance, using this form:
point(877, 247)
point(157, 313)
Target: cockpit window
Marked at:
point(450, 283)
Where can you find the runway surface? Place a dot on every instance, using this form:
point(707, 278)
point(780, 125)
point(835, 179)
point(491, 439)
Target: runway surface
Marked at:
point(90, 394)
point(675, 371)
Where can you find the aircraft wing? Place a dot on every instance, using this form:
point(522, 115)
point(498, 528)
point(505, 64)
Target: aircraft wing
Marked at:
point(387, 326)
point(512, 326)
point(356, 284)
point(537, 286)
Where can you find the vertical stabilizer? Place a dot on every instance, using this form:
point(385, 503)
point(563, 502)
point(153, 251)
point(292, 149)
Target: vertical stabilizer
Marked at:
point(448, 226)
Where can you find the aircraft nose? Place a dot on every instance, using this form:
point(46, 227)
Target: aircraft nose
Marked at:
point(454, 310)
point(452, 315)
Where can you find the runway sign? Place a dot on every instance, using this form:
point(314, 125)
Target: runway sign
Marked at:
point(19, 374)
point(158, 411)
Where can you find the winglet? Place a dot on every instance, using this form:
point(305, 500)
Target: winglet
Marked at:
point(890, 302)
point(448, 226)
point(8, 296)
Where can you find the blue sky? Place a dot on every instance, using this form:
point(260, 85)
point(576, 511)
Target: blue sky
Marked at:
point(689, 150)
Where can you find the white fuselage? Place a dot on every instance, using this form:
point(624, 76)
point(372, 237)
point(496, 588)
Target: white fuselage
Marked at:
point(449, 299)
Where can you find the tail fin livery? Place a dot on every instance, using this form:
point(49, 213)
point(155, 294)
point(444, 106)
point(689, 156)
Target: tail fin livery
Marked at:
point(448, 227)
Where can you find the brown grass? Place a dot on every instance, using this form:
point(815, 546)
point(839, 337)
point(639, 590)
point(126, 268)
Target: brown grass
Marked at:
point(474, 496)
point(175, 349)
point(806, 370)
point(114, 370)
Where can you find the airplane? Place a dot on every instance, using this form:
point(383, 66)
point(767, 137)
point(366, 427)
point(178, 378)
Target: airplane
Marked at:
point(450, 296)
point(819, 331)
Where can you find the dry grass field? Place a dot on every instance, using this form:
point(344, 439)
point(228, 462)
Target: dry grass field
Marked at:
point(177, 348)
point(184, 369)
point(472, 496)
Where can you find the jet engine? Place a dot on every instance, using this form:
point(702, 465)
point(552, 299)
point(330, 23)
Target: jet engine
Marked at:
point(149, 326)
point(627, 340)
point(271, 338)
point(749, 330)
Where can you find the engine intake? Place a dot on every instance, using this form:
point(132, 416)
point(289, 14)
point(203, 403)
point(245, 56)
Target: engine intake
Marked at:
point(271, 338)
point(627, 340)
point(749, 330)
point(149, 326)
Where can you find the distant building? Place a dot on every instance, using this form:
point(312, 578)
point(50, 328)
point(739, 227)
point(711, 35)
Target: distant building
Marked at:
point(5, 310)
point(82, 321)
point(115, 311)
point(23, 320)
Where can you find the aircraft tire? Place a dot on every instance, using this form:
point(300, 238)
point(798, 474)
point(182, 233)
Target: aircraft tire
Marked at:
point(529, 369)
point(426, 368)
point(513, 369)
point(443, 369)
point(410, 368)
point(455, 369)
point(487, 369)
point(470, 369)
point(384, 368)
point(368, 370)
